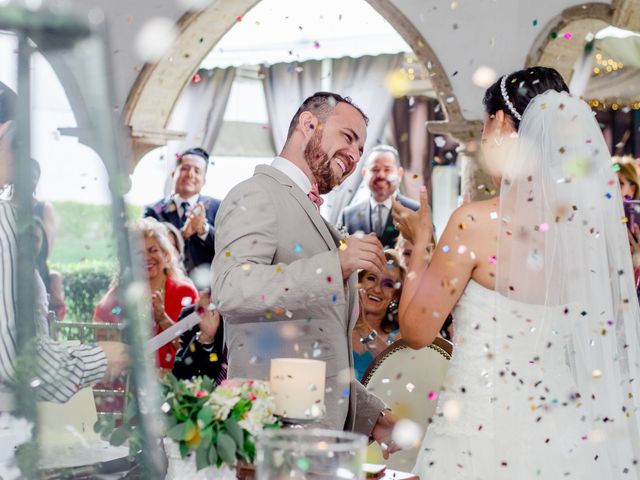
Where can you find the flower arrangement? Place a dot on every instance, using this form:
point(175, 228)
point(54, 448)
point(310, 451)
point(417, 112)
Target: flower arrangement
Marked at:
point(219, 424)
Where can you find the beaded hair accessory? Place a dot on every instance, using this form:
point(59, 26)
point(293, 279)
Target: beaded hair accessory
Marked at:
point(505, 97)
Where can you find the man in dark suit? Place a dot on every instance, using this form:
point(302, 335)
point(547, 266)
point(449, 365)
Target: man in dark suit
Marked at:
point(383, 173)
point(193, 214)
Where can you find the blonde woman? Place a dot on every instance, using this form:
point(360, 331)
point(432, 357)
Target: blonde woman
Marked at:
point(170, 289)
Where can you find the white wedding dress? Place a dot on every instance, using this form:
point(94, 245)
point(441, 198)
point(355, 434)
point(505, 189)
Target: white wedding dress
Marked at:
point(460, 441)
point(544, 381)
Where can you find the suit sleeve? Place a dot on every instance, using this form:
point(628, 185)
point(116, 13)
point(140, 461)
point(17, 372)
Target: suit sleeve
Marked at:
point(150, 212)
point(245, 282)
point(368, 408)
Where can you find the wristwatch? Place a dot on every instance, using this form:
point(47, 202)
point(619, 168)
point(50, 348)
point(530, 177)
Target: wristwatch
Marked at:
point(208, 347)
point(369, 338)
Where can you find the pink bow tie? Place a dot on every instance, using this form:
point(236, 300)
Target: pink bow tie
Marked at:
point(314, 196)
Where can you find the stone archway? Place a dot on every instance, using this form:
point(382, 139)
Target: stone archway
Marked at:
point(158, 86)
point(552, 51)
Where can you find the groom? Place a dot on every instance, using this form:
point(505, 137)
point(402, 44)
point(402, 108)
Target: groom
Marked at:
point(283, 279)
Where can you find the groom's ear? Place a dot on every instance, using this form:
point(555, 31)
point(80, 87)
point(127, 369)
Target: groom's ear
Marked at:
point(307, 123)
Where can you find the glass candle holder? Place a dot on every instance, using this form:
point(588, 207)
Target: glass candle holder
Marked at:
point(310, 454)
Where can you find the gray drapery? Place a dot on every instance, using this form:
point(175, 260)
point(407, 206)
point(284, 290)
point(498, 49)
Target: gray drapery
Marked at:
point(286, 85)
point(200, 110)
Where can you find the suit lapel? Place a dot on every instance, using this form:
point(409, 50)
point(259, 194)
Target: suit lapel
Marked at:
point(170, 213)
point(306, 204)
point(365, 213)
point(314, 215)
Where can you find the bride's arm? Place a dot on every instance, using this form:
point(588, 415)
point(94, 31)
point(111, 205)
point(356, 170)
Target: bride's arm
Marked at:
point(430, 292)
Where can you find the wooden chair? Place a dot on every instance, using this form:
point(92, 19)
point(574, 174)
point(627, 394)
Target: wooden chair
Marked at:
point(406, 379)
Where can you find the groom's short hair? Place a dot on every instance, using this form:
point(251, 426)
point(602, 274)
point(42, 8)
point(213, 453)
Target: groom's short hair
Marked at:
point(321, 104)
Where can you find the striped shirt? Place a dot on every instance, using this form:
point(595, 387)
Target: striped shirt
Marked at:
point(60, 370)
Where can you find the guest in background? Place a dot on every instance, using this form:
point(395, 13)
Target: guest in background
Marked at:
point(383, 174)
point(202, 350)
point(377, 326)
point(628, 178)
point(170, 289)
point(43, 210)
point(191, 213)
point(52, 280)
point(404, 248)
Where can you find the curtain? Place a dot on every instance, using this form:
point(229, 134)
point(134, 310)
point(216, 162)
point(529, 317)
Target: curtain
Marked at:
point(415, 145)
point(362, 79)
point(286, 85)
point(200, 109)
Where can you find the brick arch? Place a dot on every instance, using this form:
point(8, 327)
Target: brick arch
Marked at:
point(158, 86)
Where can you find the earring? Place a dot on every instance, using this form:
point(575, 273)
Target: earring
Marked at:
point(393, 306)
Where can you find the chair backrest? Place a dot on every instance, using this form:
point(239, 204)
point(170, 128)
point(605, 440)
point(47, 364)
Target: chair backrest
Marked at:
point(409, 382)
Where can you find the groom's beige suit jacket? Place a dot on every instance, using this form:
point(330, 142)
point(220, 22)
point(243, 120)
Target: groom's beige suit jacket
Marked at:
point(278, 285)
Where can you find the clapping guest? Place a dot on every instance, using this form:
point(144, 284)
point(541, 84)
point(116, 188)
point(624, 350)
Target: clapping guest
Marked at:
point(190, 212)
point(170, 289)
point(377, 325)
point(383, 174)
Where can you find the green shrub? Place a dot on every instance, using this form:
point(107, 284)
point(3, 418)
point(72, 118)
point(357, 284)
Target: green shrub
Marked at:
point(85, 283)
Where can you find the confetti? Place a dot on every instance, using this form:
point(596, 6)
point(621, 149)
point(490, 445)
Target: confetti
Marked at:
point(493, 215)
point(432, 395)
point(297, 248)
point(493, 260)
point(445, 249)
point(568, 35)
point(534, 22)
point(544, 227)
point(410, 387)
point(484, 76)
point(406, 433)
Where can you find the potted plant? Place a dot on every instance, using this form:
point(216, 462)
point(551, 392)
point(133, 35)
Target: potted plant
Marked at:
point(211, 431)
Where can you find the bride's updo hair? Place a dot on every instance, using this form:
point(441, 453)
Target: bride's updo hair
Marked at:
point(520, 88)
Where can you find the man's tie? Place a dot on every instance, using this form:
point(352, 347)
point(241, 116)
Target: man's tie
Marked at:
point(185, 209)
point(379, 223)
point(315, 197)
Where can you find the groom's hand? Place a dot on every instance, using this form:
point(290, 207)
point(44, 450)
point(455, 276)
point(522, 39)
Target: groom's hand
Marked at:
point(382, 433)
point(363, 252)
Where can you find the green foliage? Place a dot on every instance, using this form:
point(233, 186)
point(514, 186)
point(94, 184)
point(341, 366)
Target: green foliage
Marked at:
point(201, 428)
point(84, 233)
point(84, 285)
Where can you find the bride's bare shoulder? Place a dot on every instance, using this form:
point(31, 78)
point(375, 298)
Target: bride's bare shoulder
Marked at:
point(479, 212)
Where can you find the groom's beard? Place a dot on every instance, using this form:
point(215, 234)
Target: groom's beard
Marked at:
point(319, 163)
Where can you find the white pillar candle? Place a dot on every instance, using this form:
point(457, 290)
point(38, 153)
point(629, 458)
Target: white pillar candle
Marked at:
point(298, 387)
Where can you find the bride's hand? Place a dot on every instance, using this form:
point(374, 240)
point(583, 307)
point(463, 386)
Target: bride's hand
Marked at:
point(414, 225)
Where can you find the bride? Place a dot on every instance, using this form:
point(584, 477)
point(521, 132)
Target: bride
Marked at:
point(544, 382)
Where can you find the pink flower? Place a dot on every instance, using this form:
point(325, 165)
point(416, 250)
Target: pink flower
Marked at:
point(252, 397)
point(201, 394)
